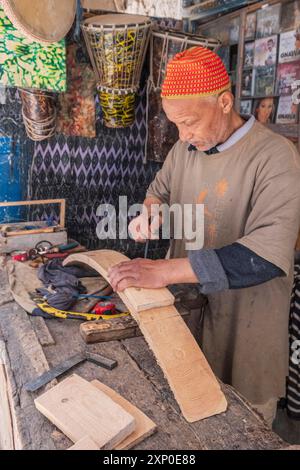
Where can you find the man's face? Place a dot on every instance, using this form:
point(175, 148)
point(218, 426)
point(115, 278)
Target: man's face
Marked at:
point(270, 45)
point(200, 121)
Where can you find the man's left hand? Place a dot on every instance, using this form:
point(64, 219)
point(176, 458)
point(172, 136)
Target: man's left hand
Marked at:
point(139, 272)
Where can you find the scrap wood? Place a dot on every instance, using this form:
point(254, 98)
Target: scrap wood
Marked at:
point(144, 425)
point(79, 409)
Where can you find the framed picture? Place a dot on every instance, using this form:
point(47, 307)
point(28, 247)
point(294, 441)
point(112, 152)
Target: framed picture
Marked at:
point(290, 16)
point(265, 51)
point(268, 21)
point(288, 51)
point(264, 81)
point(264, 109)
point(234, 30)
point(287, 112)
point(287, 74)
point(249, 54)
point(246, 107)
point(246, 89)
point(250, 26)
point(224, 54)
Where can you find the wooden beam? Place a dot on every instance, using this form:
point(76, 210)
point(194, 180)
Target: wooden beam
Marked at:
point(190, 377)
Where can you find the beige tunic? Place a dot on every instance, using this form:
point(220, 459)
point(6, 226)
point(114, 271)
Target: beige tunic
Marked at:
point(251, 194)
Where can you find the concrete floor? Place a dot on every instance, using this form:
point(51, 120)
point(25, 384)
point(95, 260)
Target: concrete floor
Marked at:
point(287, 428)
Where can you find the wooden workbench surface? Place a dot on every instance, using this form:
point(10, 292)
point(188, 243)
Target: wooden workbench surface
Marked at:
point(137, 377)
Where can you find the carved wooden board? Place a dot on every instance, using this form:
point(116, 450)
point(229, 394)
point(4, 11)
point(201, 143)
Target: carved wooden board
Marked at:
point(136, 299)
point(190, 377)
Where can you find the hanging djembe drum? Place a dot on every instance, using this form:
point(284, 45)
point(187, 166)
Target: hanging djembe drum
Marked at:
point(162, 134)
point(39, 113)
point(117, 46)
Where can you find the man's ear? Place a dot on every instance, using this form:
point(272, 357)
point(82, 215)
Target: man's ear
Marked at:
point(226, 101)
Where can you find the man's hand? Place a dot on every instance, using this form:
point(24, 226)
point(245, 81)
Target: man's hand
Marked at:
point(139, 273)
point(141, 228)
point(150, 273)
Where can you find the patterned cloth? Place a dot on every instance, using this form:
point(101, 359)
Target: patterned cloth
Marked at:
point(29, 64)
point(197, 71)
point(293, 382)
point(77, 113)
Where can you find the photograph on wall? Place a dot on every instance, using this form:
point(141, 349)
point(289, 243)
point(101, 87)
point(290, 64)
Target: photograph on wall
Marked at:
point(223, 53)
point(290, 16)
point(234, 30)
point(265, 51)
point(246, 107)
point(287, 112)
point(29, 64)
point(287, 47)
point(264, 81)
point(287, 74)
point(249, 54)
point(268, 21)
point(246, 89)
point(264, 110)
point(250, 26)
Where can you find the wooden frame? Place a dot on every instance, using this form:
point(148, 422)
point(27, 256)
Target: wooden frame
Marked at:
point(61, 202)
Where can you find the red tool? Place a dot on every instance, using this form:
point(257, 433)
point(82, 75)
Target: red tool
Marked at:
point(20, 256)
point(104, 308)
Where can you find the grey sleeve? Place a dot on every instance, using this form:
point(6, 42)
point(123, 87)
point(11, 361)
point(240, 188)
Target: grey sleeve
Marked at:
point(209, 270)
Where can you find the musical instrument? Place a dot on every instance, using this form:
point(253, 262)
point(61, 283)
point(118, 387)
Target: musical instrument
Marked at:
point(39, 113)
point(41, 20)
point(117, 45)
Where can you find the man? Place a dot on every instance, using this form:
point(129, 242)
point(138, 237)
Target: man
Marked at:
point(271, 53)
point(248, 178)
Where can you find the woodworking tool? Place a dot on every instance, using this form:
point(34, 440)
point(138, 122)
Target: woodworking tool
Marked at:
point(73, 361)
point(51, 312)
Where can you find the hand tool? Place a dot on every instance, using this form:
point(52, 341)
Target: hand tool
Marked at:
point(60, 369)
point(52, 312)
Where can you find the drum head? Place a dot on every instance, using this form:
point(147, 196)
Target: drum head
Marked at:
point(120, 20)
point(46, 21)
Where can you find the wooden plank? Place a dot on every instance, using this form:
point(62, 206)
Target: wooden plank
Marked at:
point(135, 298)
point(18, 233)
point(38, 202)
point(190, 377)
point(78, 409)
point(6, 427)
point(42, 332)
point(144, 425)
point(86, 443)
point(109, 330)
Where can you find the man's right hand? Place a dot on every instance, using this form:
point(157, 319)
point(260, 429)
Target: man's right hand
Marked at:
point(145, 227)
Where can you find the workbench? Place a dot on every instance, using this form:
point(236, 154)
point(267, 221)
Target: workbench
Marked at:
point(30, 346)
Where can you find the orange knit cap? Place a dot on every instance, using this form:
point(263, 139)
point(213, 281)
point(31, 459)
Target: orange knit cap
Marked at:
point(195, 72)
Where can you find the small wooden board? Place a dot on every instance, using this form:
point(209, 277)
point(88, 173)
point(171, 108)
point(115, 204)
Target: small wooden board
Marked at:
point(99, 331)
point(144, 425)
point(78, 409)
